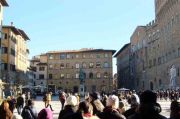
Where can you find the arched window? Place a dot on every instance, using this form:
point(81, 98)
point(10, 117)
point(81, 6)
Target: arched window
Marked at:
point(91, 75)
point(98, 75)
point(105, 75)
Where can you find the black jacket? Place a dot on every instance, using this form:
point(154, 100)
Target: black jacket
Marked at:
point(110, 113)
point(69, 112)
point(148, 111)
point(20, 101)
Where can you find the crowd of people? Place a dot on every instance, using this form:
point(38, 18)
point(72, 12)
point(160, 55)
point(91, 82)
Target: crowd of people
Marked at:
point(93, 106)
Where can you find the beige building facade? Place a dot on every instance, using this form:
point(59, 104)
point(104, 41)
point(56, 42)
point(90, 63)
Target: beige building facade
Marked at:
point(63, 70)
point(14, 54)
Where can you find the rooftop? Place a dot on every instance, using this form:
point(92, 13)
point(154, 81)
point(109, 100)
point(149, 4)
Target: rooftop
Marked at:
point(17, 31)
point(82, 50)
point(126, 45)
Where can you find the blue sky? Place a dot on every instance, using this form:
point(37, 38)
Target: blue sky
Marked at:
point(75, 24)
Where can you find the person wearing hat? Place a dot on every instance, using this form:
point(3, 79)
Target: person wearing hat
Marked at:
point(70, 109)
point(96, 103)
point(111, 110)
point(148, 108)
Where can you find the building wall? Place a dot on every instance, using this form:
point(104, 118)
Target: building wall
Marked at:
point(7, 58)
point(22, 54)
point(65, 72)
point(123, 68)
point(162, 49)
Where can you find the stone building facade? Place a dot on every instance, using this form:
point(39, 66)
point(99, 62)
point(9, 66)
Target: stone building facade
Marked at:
point(123, 67)
point(63, 68)
point(158, 47)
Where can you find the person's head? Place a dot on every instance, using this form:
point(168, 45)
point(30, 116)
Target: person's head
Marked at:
point(72, 100)
point(175, 110)
point(94, 96)
point(85, 107)
point(30, 102)
point(5, 105)
point(45, 113)
point(148, 97)
point(20, 94)
point(113, 101)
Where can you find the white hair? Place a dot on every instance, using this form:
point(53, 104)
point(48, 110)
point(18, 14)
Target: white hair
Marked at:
point(113, 101)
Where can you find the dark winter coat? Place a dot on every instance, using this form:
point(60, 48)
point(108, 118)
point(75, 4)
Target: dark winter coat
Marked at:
point(28, 113)
point(20, 101)
point(69, 112)
point(148, 111)
point(110, 113)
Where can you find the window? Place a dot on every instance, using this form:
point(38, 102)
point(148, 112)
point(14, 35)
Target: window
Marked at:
point(68, 56)
point(150, 63)
point(84, 56)
point(62, 76)
point(50, 76)
point(106, 55)
point(98, 75)
point(98, 56)
point(41, 68)
point(4, 66)
point(50, 66)
point(62, 56)
point(41, 76)
point(61, 66)
point(67, 76)
point(91, 65)
point(12, 52)
point(98, 64)
point(77, 66)
point(12, 67)
point(160, 82)
point(179, 52)
point(84, 65)
point(77, 75)
point(5, 36)
point(91, 75)
point(178, 71)
point(105, 75)
point(77, 56)
point(51, 56)
point(4, 50)
point(93, 88)
point(106, 65)
point(91, 56)
point(67, 65)
point(84, 75)
point(154, 62)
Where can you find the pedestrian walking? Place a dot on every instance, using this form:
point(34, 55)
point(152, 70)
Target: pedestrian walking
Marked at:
point(20, 104)
point(29, 111)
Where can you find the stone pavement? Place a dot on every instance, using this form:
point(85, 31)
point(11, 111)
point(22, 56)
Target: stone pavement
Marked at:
point(56, 105)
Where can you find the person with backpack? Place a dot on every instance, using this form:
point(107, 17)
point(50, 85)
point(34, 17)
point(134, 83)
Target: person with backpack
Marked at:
point(29, 111)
